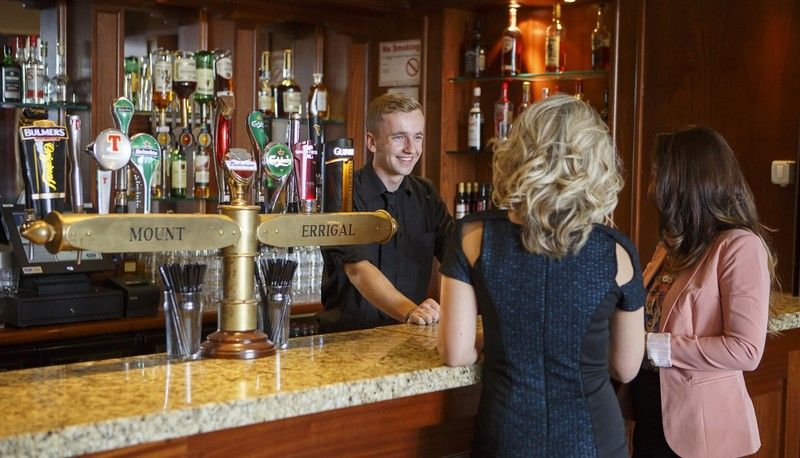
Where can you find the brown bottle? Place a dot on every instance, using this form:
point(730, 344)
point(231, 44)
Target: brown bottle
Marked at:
point(287, 94)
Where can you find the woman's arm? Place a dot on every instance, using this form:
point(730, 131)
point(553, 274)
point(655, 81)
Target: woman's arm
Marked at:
point(457, 341)
point(626, 346)
point(744, 284)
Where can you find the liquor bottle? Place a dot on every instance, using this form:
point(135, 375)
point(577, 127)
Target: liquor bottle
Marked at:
point(287, 94)
point(265, 102)
point(177, 186)
point(555, 54)
point(21, 58)
point(10, 78)
point(483, 197)
point(162, 61)
point(526, 97)
point(601, 42)
point(204, 93)
point(47, 89)
point(131, 84)
point(224, 72)
point(461, 201)
point(318, 98)
point(475, 54)
point(60, 79)
point(510, 55)
point(579, 91)
point(202, 164)
point(34, 73)
point(475, 121)
point(467, 198)
point(503, 114)
point(184, 81)
point(473, 198)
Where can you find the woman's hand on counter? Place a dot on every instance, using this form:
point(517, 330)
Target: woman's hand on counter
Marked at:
point(425, 313)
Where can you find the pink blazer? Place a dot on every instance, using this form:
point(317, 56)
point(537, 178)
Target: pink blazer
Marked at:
point(717, 313)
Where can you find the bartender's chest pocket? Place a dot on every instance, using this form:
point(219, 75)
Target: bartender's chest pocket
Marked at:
point(417, 254)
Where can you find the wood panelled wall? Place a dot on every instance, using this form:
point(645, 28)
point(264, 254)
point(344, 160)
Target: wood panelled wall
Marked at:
point(733, 65)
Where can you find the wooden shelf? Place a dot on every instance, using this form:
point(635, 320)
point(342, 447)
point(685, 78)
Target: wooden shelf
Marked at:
point(561, 76)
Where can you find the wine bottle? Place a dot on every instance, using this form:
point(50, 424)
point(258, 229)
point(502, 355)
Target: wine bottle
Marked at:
point(475, 121)
point(512, 41)
point(555, 55)
point(601, 42)
point(475, 54)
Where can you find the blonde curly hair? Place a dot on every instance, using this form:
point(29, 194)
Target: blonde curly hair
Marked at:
point(558, 172)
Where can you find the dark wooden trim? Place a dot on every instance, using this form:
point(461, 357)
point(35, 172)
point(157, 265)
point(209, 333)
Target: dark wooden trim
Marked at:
point(792, 432)
point(244, 65)
point(356, 100)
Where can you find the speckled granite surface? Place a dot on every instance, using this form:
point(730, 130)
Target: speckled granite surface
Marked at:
point(102, 405)
point(787, 310)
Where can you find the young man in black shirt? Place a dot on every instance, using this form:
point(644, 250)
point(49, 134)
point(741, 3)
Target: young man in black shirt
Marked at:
point(379, 284)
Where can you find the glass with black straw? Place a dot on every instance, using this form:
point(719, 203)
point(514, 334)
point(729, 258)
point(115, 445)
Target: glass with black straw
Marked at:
point(274, 278)
point(183, 308)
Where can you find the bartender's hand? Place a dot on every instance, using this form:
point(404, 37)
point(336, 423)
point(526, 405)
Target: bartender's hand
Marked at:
point(425, 313)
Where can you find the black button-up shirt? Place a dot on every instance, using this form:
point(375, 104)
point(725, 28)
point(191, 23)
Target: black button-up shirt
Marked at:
point(424, 225)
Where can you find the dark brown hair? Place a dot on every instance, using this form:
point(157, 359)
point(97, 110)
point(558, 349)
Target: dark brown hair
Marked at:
point(700, 191)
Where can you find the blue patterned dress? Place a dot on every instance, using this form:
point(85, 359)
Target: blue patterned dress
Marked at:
point(546, 388)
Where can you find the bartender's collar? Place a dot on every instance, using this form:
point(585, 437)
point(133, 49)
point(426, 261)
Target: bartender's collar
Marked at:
point(373, 186)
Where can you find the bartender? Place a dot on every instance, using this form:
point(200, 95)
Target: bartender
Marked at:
point(380, 284)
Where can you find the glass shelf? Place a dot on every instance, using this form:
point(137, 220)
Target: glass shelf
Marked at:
point(303, 120)
point(561, 76)
point(72, 106)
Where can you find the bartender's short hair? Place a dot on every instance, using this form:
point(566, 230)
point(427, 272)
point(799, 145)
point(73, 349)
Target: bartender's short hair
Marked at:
point(386, 104)
point(559, 173)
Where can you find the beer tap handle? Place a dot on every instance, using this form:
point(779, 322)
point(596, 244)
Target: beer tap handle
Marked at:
point(122, 110)
point(75, 171)
point(255, 130)
point(145, 157)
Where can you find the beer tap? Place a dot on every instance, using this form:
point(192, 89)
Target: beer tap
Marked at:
point(75, 170)
point(258, 138)
point(112, 151)
point(145, 157)
point(122, 111)
point(293, 139)
point(222, 142)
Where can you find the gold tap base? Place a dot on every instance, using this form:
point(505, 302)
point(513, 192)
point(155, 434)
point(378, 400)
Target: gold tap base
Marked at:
point(237, 345)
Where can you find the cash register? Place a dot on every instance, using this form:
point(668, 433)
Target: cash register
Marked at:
point(55, 288)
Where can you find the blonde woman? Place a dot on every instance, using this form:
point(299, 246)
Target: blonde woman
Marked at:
point(560, 293)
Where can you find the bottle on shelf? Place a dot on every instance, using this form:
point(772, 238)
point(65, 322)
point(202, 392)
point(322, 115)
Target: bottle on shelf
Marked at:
point(21, 58)
point(484, 196)
point(503, 114)
point(265, 102)
point(318, 98)
point(601, 42)
point(475, 122)
point(202, 164)
point(511, 52)
point(184, 81)
point(475, 54)
point(162, 62)
point(130, 83)
point(461, 201)
point(60, 79)
point(473, 198)
point(287, 94)
point(579, 94)
point(555, 54)
point(10, 78)
point(223, 63)
point(34, 72)
point(178, 175)
point(204, 93)
point(526, 97)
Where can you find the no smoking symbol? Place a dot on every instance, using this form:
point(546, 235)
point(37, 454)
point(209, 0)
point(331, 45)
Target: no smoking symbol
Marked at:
point(412, 66)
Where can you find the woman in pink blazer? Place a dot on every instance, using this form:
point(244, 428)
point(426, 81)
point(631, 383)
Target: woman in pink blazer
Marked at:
point(707, 305)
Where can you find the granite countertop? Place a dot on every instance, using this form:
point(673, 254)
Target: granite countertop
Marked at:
point(103, 405)
point(787, 312)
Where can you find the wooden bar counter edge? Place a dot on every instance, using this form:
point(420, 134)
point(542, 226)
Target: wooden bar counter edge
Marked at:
point(379, 392)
